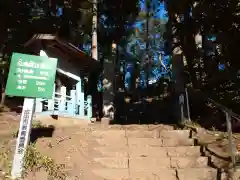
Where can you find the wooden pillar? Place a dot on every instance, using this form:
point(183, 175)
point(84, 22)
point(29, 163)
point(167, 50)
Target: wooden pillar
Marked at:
point(62, 103)
point(80, 98)
point(89, 107)
point(108, 78)
point(179, 84)
point(58, 86)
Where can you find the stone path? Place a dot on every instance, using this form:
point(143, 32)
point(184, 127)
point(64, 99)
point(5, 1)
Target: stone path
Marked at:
point(134, 152)
point(158, 154)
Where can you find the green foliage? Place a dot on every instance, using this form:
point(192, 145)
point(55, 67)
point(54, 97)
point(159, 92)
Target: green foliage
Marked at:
point(21, 18)
point(34, 162)
point(5, 161)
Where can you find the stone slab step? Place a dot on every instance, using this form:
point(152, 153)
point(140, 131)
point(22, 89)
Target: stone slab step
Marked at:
point(108, 133)
point(132, 142)
point(177, 142)
point(145, 163)
point(179, 134)
point(119, 142)
point(112, 174)
point(182, 151)
point(160, 174)
point(145, 142)
point(124, 174)
point(123, 133)
point(141, 127)
point(189, 162)
point(197, 174)
point(155, 133)
point(112, 162)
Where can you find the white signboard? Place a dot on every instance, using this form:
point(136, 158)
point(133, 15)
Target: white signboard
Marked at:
point(23, 137)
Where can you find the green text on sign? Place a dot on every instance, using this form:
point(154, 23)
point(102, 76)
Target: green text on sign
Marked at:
point(31, 76)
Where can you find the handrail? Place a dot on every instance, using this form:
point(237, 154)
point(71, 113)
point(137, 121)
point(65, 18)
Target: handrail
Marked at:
point(229, 114)
point(218, 105)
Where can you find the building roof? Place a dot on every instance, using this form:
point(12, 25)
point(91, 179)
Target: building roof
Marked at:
point(69, 56)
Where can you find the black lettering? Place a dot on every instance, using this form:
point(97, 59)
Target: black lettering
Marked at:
point(24, 127)
point(26, 116)
point(22, 139)
point(23, 134)
point(20, 150)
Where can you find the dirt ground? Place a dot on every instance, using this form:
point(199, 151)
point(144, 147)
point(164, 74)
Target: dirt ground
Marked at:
point(71, 144)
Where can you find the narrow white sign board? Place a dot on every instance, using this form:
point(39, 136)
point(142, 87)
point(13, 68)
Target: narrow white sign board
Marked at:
point(23, 137)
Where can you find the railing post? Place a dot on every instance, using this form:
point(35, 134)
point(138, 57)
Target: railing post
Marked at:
point(78, 92)
point(38, 105)
point(62, 105)
point(230, 138)
point(181, 103)
point(56, 103)
point(81, 103)
point(89, 107)
point(72, 109)
point(187, 103)
point(80, 98)
point(51, 101)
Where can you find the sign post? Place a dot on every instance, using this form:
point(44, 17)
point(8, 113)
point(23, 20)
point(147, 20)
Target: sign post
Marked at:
point(30, 77)
point(23, 137)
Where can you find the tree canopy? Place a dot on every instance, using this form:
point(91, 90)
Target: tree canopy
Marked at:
point(207, 32)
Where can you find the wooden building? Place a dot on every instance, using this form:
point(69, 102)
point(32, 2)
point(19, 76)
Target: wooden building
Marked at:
point(73, 64)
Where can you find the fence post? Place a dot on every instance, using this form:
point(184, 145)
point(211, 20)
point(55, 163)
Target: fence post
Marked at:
point(38, 105)
point(181, 103)
point(78, 97)
point(187, 102)
point(56, 103)
point(230, 138)
point(72, 109)
point(51, 101)
point(89, 107)
point(81, 104)
point(62, 105)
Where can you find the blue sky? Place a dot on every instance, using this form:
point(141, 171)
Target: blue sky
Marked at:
point(161, 14)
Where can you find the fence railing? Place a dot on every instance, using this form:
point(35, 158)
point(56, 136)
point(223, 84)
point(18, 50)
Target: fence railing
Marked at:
point(229, 116)
point(74, 105)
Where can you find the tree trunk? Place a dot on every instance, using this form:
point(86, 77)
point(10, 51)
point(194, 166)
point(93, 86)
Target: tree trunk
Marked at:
point(3, 95)
point(189, 47)
point(108, 81)
point(94, 31)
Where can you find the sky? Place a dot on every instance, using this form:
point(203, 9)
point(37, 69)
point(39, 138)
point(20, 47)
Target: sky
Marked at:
point(155, 5)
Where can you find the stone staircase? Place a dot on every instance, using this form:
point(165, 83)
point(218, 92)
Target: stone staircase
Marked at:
point(148, 153)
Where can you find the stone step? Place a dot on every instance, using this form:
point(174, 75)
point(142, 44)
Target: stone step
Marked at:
point(125, 174)
point(111, 174)
point(177, 142)
point(178, 134)
point(197, 174)
point(145, 163)
point(165, 134)
point(145, 142)
point(159, 174)
point(189, 162)
point(112, 162)
point(180, 151)
point(108, 133)
point(141, 127)
point(124, 133)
